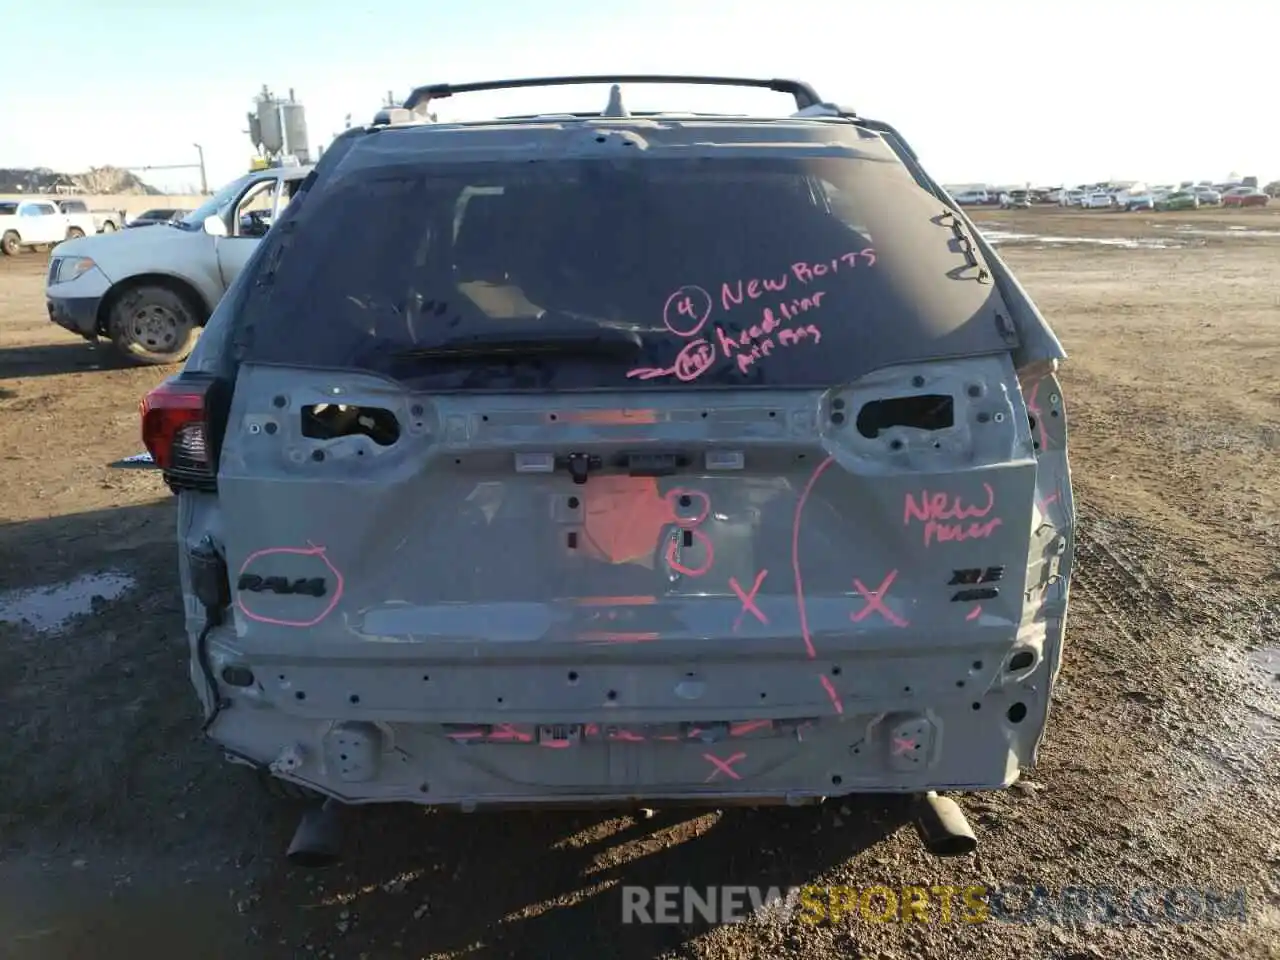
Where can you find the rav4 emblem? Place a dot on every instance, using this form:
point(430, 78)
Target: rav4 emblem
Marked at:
point(307, 586)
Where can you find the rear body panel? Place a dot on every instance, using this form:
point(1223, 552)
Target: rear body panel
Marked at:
point(798, 610)
point(720, 571)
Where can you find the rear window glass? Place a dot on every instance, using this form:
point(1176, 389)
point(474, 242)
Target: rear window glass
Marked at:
point(714, 272)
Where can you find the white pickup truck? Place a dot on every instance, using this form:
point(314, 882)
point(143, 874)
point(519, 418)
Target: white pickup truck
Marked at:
point(151, 291)
point(39, 222)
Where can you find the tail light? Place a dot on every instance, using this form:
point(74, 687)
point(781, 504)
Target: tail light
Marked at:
point(179, 430)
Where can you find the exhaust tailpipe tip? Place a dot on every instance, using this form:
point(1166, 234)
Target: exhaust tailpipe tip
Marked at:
point(317, 842)
point(943, 829)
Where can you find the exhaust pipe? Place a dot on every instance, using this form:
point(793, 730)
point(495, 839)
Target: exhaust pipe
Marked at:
point(942, 826)
point(318, 840)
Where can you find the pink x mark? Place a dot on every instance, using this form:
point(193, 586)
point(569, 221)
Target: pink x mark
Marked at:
point(723, 766)
point(903, 745)
point(748, 599)
point(875, 601)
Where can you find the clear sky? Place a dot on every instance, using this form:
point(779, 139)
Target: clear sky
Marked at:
point(985, 90)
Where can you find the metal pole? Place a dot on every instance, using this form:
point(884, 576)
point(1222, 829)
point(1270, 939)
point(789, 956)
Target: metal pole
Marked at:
point(204, 181)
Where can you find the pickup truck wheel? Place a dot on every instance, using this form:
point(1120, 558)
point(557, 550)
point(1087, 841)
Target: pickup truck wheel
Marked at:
point(108, 227)
point(153, 325)
point(11, 244)
point(74, 233)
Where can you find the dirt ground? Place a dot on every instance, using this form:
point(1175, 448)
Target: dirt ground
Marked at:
point(122, 834)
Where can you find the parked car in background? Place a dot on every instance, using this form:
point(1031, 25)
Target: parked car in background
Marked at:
point(104, 221)
point(1178, 200)
point(1098, 200)
point(1245, 197)
point(150, 218)
point(1070, 198)
point(1207, 196)
point(1272, 189)
point(1015, 199)
point(39, 223)
point(150, 291)
point(1136, 200)
point(971, 198)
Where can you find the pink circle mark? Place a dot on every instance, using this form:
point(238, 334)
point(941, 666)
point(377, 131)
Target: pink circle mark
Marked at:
point(686, 311)
point(311, 551)
point(687, 523)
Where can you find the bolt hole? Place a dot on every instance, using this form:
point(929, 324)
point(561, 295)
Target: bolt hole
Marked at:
point(895, 445)
point(977, 664)
point(342, 756)
point(977, 706)
point(837, 417)
point(1053, 413)
point(974, 390)
point(1017, 713)
point(611, 695)
point(1031, 420)
point(764, 696)
point(573, 503)
point(281, 676)
point(426, 678)
point(704, 414)
point(354, 698)
point(552, 417)
point(906, 689)
point(937, 444)
point(836, 671)
point(573, 676)
point(685, 500)
point(1021, 660)
point(837, 780)
point(1035, 444)
point(270, 428)
point(838, 403)
point(359, 453)
point(959, 683)
point(300, 695)
point(317, 455)
point(600, 139)
point(484, 417)
point(984, 417)
point(458, 461)
point(279, 401)
point(500, 700)
point(917, 381)
point(773, 413)
point(424, 788)
point(802, 456)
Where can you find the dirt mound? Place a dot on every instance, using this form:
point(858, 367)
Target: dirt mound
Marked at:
point(98, 180)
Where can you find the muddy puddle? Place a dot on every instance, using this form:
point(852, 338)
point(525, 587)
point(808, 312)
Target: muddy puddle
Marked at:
point(48, 609)
point(998, 237)
point(1190, 230)
point(60, 910)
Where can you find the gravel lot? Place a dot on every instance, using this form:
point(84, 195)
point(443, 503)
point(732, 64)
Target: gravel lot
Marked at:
point(122, 833)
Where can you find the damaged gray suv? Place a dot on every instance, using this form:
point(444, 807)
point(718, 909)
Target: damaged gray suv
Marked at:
point(623, 457)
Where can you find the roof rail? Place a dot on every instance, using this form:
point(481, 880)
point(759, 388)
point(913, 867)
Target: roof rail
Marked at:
point(805, 96)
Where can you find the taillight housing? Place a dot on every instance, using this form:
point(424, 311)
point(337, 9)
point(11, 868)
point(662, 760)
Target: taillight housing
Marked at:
point(182, 432)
